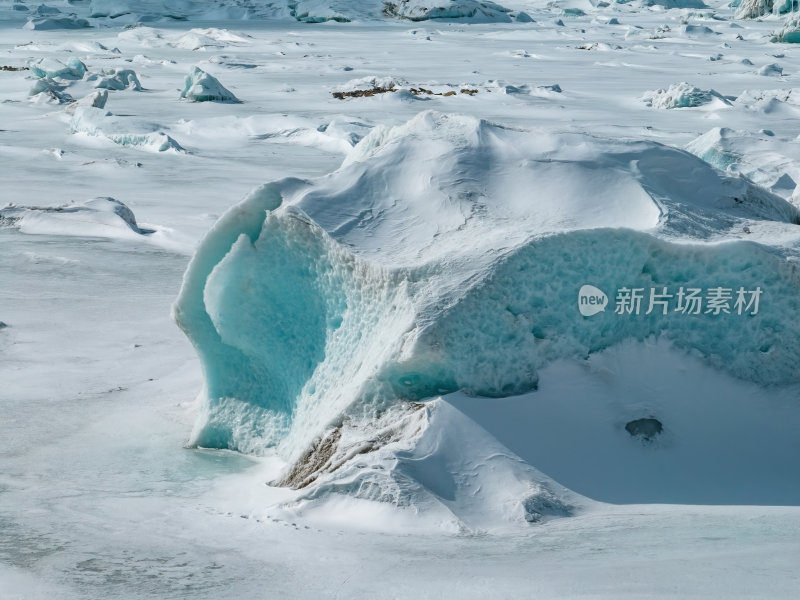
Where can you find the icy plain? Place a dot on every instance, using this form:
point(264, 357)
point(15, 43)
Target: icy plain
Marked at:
point(495, 476)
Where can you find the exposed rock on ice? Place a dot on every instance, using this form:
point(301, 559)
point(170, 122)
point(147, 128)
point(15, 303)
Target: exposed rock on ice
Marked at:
point(202, 87)
point(446, 254)
point(118, 79)
point(408, 457)
point(684, 95)
point(99, 217)
point(122, 130)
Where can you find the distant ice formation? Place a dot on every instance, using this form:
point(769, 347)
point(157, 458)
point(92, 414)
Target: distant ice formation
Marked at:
point(684, 95)
point(117, 79)
point(50, 23)
point(447, 254)
point(202, 87)
point(53, 68)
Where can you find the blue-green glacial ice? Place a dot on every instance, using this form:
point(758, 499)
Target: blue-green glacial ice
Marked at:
point(446, 254)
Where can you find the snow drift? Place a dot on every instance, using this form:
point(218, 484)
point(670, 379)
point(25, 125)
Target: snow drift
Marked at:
point(124, 131)
point(98, 217)
point(446, 254)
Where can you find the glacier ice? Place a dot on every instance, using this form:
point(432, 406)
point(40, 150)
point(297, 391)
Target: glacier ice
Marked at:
point(122, 130)
point(684, 95)
point(49, 90)
point(423, 10)
point(202, 87)
point(446, 254)
point(109, 8)
point(54, 68)
point(118, 79)
point(790, 32)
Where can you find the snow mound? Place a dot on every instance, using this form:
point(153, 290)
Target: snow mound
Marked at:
point(122, 130)
point(202, 87)
point(93, 100)
point(212, 37)
point(447, 254)
point(765, 160)
point(780, 101)
point(409, 458)
point(684, 95)
point(118, 79)
point(99, 217)
point(770, 70)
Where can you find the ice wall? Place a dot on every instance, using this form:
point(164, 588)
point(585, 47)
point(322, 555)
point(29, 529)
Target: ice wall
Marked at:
point(447, 253)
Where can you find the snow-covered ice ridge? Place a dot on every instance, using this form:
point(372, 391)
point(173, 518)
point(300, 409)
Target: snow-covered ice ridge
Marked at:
point(77, 15)
point(447, 254)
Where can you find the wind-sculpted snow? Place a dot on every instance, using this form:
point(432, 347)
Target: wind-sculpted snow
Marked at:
point(124, 131)
point(770, 163)
point(446, 254)
point(99, 217)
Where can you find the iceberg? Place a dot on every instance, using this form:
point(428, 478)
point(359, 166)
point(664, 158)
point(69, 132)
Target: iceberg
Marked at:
point(202, 87)
point(447, 254)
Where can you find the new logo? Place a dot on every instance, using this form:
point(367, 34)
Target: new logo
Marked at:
point(591, 300)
